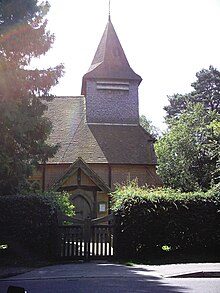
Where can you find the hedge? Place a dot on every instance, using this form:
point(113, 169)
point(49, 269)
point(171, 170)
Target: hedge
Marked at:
point(28, 225)
point(152, 219)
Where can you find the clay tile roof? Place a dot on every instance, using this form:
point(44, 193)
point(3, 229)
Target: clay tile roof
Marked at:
point(65, 113)
point(95, 143)
point(110, 61)
point(124, 144)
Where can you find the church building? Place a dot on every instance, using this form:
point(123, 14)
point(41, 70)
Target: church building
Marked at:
point(101, 141)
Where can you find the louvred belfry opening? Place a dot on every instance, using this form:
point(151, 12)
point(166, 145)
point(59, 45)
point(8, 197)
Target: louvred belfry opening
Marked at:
point(110, 85)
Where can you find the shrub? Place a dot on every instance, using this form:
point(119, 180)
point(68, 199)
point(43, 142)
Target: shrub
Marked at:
point(28, 224)
point(151, 219)
point(61, 201)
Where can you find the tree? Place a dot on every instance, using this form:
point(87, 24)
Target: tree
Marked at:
point(188, 153)
point(149, 127)
point(215, 126)
point(23, 91)
point(206, 91)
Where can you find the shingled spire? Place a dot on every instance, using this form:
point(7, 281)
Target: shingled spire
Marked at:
point(111, 86)
point(110, 61)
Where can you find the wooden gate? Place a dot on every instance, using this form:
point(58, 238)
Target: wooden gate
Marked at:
point(87, 239)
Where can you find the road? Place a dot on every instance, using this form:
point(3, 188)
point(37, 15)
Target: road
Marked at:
point(94, 277)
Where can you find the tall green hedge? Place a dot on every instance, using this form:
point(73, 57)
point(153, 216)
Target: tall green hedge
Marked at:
point(149, 220)
point(28, 225)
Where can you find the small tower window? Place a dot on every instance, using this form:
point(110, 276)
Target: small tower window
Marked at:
point(112, 85)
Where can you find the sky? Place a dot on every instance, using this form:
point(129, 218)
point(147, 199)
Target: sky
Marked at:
point(166, 42)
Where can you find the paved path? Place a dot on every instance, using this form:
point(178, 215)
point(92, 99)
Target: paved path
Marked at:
point(109, 277)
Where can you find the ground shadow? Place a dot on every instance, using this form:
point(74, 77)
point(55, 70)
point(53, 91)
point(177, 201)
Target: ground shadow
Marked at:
point(91, 277)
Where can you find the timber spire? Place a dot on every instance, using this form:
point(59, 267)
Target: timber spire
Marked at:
point(110, 61)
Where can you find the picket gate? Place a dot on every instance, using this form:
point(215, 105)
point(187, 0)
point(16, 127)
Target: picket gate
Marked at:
point(87, 239)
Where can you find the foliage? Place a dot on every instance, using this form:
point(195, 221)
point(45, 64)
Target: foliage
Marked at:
point(26, 233)
point(188, 153)
point(152, 221)
point(23, 91)
point(131, 190)
point(215, 126)
point(206, 91)
point(149, 127)
point(61, 201)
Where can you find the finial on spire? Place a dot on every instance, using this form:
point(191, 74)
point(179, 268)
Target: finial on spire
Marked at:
point(109, 10)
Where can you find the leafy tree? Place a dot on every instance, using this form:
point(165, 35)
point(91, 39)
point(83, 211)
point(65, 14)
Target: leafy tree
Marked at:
point(149, 127)
point(206, 91)
point(188, 153)
point(215, 126)
point(23, 91)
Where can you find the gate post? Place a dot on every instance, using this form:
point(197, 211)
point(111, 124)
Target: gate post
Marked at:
point(87, 238)
point(116, 236)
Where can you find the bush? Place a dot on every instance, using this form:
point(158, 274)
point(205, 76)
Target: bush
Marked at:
point(61, 202)
point(150, 220)
point(28, 225)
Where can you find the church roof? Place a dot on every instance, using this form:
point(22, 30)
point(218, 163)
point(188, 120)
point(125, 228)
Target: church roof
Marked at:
point(110, 61)
point(95, 143)
point(65, 113)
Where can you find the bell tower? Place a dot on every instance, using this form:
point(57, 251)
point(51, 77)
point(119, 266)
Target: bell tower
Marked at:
point(111, 86)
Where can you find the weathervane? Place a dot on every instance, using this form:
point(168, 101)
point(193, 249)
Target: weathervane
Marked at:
point(109, 10)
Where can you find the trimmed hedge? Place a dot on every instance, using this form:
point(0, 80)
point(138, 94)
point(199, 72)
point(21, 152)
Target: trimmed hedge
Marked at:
point(149, 220)
point(28, 224)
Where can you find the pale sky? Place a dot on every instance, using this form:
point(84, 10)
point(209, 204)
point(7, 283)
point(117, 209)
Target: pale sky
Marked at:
point(166, 42)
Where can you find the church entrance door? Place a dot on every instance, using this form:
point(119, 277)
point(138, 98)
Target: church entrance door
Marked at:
point(82, 207)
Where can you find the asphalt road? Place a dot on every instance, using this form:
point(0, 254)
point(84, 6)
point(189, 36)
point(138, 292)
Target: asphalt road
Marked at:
point(95, 277)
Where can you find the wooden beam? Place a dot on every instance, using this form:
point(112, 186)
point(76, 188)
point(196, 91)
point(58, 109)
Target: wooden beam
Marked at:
point(83, 187)
point(79, 176)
